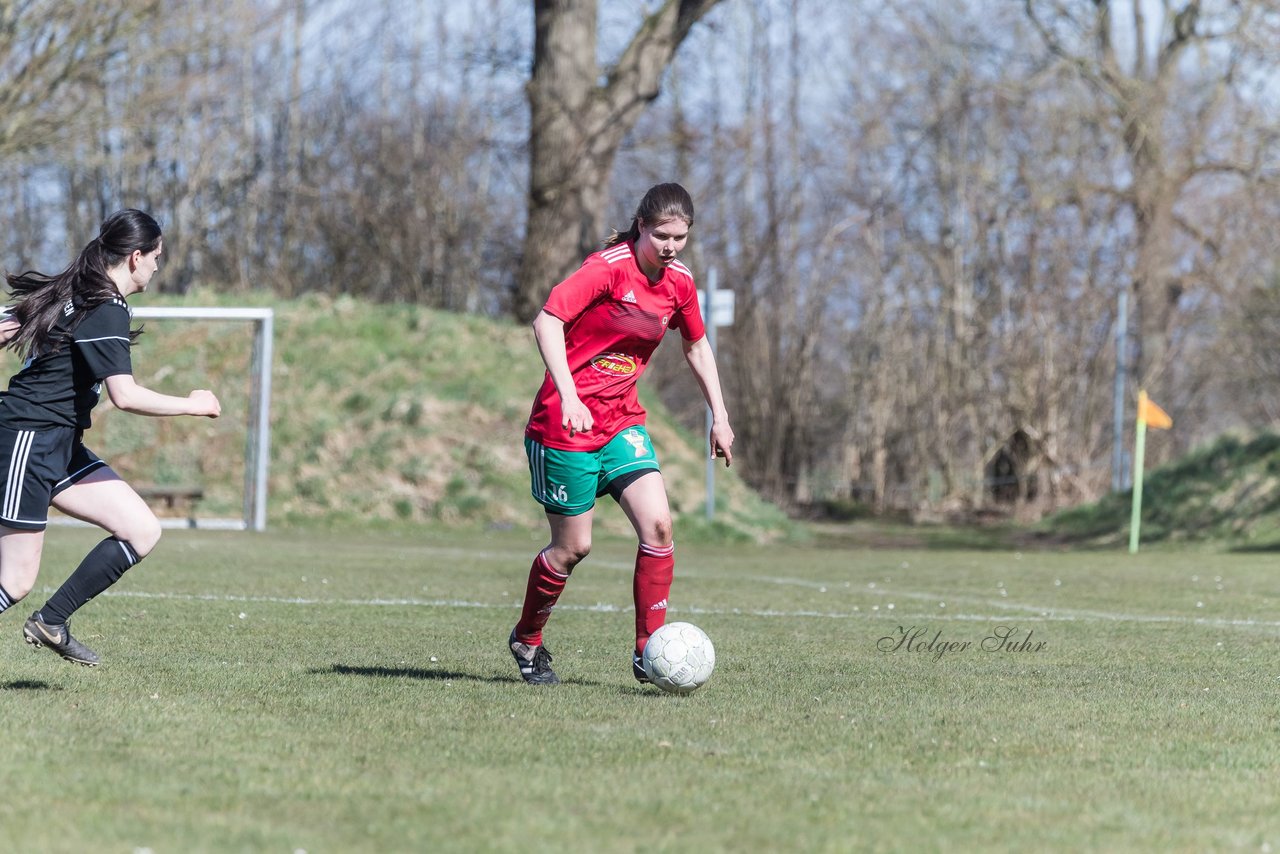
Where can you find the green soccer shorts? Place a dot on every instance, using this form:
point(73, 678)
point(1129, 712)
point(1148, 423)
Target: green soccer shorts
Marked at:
point(569, 482)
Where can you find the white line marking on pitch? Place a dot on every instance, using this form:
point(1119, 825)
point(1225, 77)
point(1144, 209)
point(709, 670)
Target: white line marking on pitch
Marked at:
point(1053, 615)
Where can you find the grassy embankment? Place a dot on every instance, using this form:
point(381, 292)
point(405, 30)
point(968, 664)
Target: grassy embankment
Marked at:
point(386, 415)
point(1224, 494)
point(381, 414)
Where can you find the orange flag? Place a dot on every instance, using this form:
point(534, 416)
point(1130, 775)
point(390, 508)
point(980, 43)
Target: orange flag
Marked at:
point(1151, 414)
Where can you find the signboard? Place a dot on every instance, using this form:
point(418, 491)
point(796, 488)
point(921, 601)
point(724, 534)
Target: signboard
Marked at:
point(722, 304)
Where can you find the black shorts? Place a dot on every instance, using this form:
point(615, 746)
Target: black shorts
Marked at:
point(36, 465)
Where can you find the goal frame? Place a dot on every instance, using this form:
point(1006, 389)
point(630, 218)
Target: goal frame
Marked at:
point(258, 443)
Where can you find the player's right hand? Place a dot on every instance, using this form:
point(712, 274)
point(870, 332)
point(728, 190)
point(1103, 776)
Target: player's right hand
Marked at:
point(204, 402)
point(575, 417)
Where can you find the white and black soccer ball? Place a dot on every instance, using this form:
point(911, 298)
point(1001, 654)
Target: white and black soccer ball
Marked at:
point(679, 658)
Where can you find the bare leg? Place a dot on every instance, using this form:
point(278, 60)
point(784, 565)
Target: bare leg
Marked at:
point(105, 500)
point(19, 560)
point(570, 540)
point(645, 503)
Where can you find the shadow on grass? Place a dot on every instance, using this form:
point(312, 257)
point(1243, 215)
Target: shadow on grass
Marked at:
point(1258, 548)
point(400, 673)
point(27, 685)
point(422, 673)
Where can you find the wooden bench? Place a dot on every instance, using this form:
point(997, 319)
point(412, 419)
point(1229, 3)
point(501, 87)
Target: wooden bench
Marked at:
point(172, 497)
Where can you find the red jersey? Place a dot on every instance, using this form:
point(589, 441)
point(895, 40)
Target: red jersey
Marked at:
point(614, 319)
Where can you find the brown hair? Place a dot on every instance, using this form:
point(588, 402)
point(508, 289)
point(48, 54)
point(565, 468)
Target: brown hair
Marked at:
point(662, 202)
point(39, 299)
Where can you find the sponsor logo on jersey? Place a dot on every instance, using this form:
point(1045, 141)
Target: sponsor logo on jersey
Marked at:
point(616, 364)
point(630, 297)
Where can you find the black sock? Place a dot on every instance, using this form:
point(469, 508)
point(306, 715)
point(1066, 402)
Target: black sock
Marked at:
point(5, 600)
point(100, 568)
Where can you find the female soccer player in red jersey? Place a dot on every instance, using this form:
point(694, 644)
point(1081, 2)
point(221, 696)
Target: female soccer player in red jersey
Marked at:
point(74, 329)
point(586, 434)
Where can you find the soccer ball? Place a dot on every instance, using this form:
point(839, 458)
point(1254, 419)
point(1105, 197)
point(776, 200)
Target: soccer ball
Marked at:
point(679, 658)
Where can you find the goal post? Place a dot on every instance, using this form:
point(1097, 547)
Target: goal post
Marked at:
point(258, 438)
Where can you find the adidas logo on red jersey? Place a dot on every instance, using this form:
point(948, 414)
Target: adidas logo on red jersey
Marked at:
point(630, 297)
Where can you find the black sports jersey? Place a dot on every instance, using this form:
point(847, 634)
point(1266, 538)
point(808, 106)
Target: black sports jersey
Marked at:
point(61, 387)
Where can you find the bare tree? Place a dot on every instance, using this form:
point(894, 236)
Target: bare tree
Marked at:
point(577, 122)
point(926, 210)
point(1171, 121)
point(52, 56)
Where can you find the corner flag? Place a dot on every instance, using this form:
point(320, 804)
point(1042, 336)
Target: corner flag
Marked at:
point(1149, 415)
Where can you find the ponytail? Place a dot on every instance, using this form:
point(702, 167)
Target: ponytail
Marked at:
point(631, 235)
point(40, 300)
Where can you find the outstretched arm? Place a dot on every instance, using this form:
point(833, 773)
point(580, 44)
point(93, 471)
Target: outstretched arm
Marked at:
point(702, 361)
point(128, 396)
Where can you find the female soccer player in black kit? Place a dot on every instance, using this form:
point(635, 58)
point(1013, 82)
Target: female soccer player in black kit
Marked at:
point(73, 329)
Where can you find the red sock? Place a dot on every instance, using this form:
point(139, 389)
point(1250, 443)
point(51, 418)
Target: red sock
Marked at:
point(655, 567)
point(544, 588)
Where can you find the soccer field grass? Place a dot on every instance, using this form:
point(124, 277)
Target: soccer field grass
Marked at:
point(301, 690)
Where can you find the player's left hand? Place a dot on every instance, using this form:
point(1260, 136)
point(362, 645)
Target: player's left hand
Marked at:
point(721, 440)
point(204, 402)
